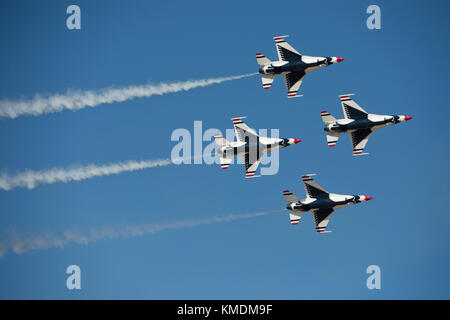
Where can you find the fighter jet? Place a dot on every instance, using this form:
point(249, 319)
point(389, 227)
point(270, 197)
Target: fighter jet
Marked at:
point(357, 123)
point(249, 145)
point(320, 202)
point(291, 64)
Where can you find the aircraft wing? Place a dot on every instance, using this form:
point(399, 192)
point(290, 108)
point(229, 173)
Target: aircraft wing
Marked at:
point(250, 166)
point(359, 140)
point(321, 218)
point(295, 217)
point(293, 82)
point(285, 51)
point(313, 189)
point(351, 109)
point(242, 130)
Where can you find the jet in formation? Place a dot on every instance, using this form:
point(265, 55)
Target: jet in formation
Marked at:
point(320, 202)
point(249, 145)
point(291, 64)
point(357, 123)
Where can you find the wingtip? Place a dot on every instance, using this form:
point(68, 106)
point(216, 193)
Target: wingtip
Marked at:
point(238, 118)
point(280, 37)
point(343, 96)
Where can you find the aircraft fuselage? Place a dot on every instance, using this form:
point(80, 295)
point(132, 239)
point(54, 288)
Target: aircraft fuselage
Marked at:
point(371, 122)
point(333, 201)
point(256, 147)
point(305, 65)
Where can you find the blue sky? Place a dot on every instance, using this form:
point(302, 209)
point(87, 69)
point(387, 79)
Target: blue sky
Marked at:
point(401, 69)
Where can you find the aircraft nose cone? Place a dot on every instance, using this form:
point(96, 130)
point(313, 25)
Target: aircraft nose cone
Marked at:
point(407, 118)
point(367, 198)
point(339, 59)
point(297, 141)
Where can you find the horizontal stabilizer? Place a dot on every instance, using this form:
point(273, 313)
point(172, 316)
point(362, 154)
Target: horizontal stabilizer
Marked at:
point(327, 118)
point(220, 141)
point(225, 162)
point(262, 60)
point(290, 197)
point(332, 138)
point(267, 80)
point(295, 217)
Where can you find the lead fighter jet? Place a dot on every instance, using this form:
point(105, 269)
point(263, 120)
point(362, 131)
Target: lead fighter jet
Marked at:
point(357, 123)
point(320, 202)
point(249, 145)
point(291, 64)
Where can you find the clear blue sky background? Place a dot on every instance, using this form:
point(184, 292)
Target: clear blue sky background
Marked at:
point(401, 69)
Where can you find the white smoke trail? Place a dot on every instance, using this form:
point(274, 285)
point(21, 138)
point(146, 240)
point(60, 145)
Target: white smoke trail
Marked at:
point(76, 100)
point(30, 178)
point(21, 244)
